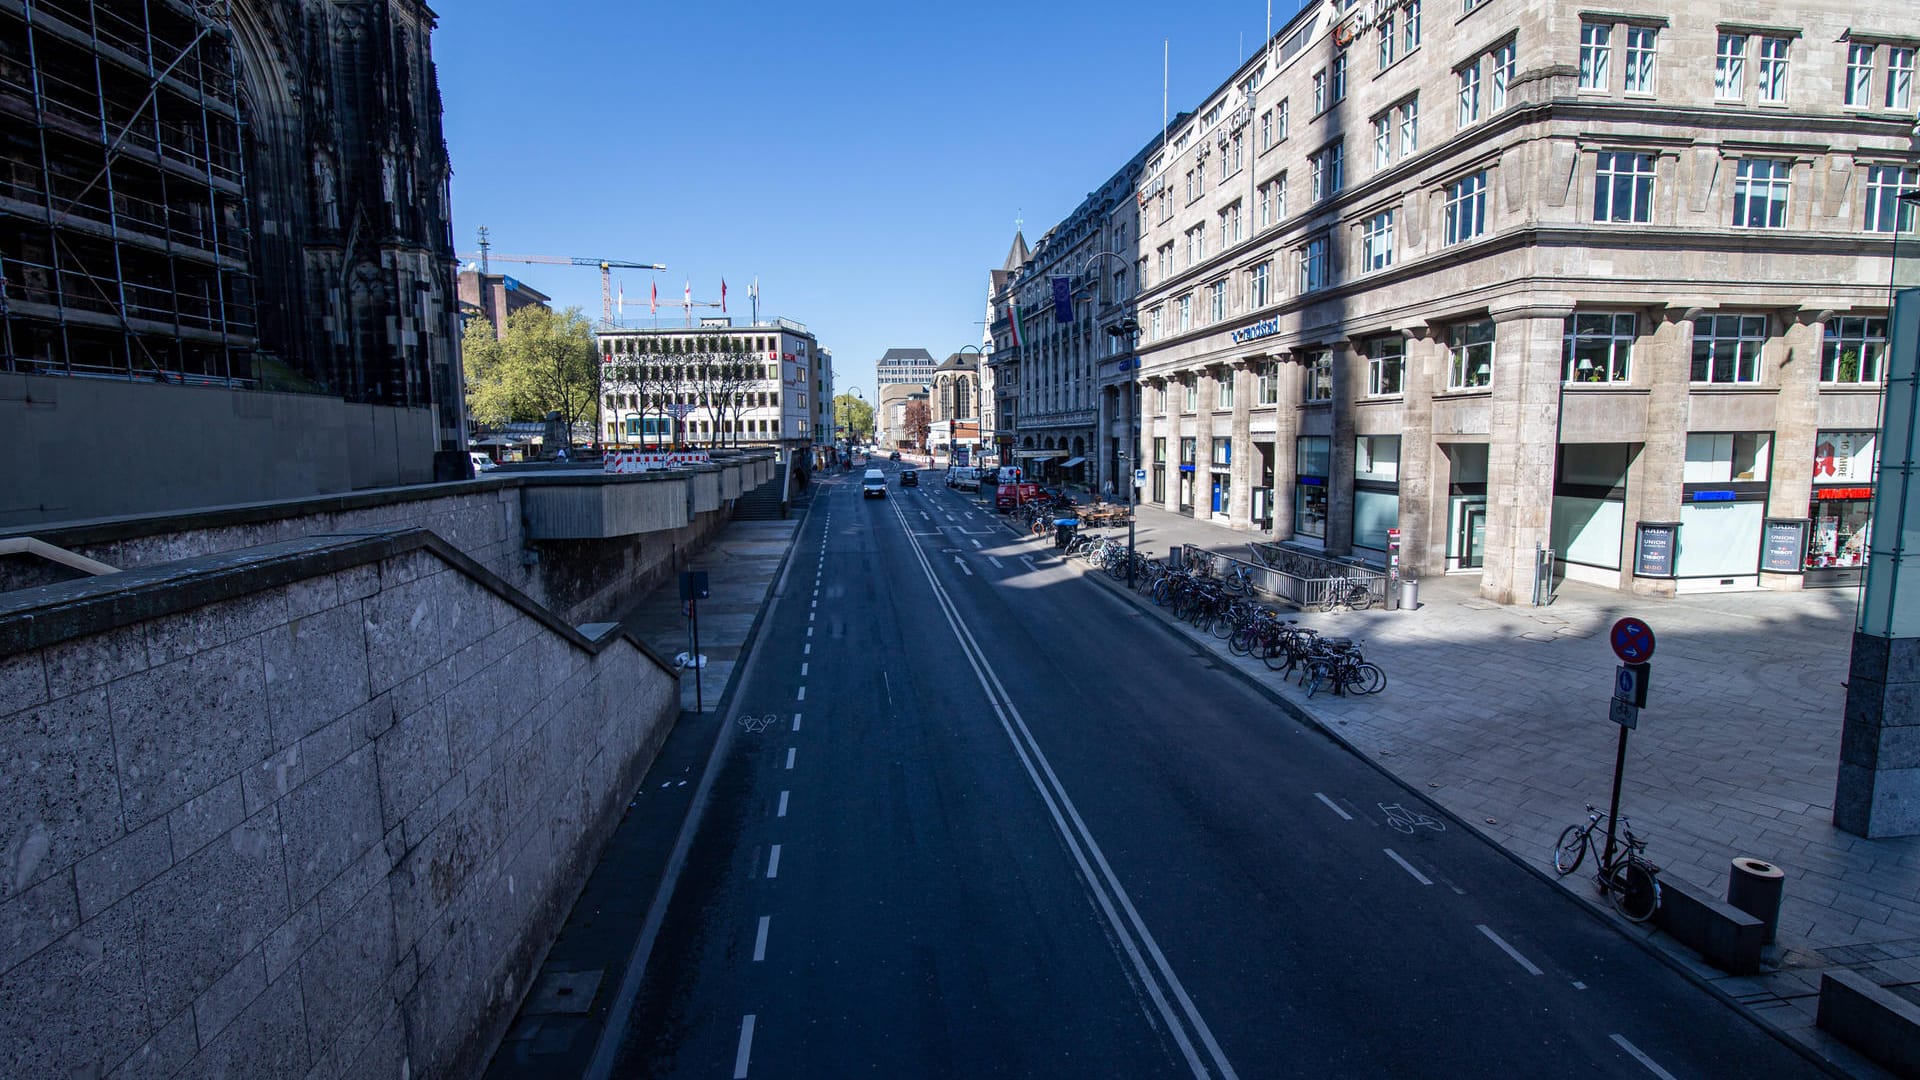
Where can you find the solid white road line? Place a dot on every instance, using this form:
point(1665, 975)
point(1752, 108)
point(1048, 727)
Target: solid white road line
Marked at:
point(790, 757)
point(783, 805)
point(1115, 905)
point(773, 862)
point(1652, 1066)
point(1408, 867)
point(741, 1055)
point(1511, 951)
point(760, 940)
point(1333, 806)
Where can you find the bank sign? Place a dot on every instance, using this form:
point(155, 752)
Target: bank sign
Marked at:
point(1263, 328)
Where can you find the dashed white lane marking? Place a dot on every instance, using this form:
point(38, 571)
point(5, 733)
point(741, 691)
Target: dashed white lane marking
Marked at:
point(1028, 559)
point(803, 671)
point(790, 757)
point(745, 1052)
point(796, 721)
point(783, 805)
point(1513, 952)
point(816, 603)
point(924, 514)
point(808, 651)
point(810, 615)
point(995, 562)
point(1578, 985)
point(760, 940)
point(773, 862)
point(802, 695)
point(972, 541)
point(1652, 1066)
point(1333, 806)
point(1408, 867)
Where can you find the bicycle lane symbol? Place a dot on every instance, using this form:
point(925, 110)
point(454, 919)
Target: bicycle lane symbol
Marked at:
point(1406, 821)
point(757, 724)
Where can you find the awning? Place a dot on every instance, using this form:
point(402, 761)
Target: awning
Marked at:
point(1037, 455)
point(1071, 462)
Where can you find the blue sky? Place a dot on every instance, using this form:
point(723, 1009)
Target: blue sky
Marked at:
point(866, 161)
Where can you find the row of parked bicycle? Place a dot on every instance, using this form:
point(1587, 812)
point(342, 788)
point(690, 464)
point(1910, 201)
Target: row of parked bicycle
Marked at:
point(1220, 603)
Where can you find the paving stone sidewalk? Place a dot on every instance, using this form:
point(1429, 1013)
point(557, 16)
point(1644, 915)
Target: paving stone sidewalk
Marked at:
point(1500, 715)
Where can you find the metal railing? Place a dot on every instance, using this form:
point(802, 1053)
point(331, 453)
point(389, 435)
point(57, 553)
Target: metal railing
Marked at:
point(1303, 582)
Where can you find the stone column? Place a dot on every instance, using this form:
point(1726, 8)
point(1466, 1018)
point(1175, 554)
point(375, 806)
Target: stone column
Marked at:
point(1208, 394)
point(1796, 423)
point(1422, 501)
point(1098, 454)
point(1246, 472)
point(1664, 366)
point(1286, 433)
point(1523, 448)
point(1340, 450)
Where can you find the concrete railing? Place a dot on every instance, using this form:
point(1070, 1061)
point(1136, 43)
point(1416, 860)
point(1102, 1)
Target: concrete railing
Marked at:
point(309, 809)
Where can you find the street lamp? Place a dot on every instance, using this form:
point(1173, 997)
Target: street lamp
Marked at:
point(852, 425)
point(1128, 328)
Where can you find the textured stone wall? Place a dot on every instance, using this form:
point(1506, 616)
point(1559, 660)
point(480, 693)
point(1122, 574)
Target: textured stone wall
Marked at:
point(323, 828)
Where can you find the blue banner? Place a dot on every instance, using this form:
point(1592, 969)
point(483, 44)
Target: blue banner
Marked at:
point(1062, 300)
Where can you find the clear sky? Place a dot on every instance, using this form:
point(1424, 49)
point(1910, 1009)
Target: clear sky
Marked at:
point(867, 161)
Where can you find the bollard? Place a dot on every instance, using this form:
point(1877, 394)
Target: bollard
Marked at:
point(1755, 887)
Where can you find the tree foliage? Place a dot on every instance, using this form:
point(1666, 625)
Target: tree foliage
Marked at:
point(852, 416)
point(917, 421)
point(546, 363)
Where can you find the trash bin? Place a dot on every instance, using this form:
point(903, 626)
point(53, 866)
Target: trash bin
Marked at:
point(1063, 531)
point(1409, 593)
point(1755, 887)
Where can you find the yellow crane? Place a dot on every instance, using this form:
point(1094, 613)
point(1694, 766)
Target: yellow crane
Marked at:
point(607, 266)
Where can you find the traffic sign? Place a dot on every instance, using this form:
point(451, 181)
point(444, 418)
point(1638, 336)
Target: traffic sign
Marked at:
point(1632, 641)
point(1139, 476)
point(1630, 684)
point(1627, 716)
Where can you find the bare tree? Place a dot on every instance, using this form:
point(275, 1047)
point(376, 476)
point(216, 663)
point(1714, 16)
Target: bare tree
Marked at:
point(917, 422)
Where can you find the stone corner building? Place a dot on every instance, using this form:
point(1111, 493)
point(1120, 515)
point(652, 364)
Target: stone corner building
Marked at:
point(226, 246)
point(1509, 275)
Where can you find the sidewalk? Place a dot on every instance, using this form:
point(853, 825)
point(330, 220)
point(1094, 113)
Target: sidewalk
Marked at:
point(1499, 714)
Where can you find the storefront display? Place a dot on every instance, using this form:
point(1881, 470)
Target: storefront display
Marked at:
point(1310, 486)
point(1841, 508)
point(1724, 508)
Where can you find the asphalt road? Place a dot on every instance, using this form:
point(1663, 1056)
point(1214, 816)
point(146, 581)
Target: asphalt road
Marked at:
point(989, 820)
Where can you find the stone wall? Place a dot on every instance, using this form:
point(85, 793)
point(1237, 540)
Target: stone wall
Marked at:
point(310, 809)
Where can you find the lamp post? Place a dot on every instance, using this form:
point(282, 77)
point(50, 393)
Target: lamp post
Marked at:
point(853, 426)
point(1127, 328)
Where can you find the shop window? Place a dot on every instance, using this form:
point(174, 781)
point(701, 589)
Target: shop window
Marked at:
point(1310, 488)
point(1597, 347)
point(1377, 457)
point(1589, 503)
point(1222, 451)
point(1728, 457)
point(1853, 350)
point(1470, 363)
point(1726, 348)
point(1188, 444)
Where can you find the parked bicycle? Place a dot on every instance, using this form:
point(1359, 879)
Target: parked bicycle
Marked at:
point(1352, 592)
point(1625, 876)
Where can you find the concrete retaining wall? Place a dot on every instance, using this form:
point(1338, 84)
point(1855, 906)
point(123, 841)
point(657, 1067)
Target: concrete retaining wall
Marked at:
point(313, 809)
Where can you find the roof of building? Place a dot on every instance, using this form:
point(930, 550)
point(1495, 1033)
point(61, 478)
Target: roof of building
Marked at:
point(907, 354)
point(1018, 253)
point(960, 362)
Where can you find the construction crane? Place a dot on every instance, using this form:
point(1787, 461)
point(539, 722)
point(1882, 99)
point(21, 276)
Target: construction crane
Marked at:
point(606, 266)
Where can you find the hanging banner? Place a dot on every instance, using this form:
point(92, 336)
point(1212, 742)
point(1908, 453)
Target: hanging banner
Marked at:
point(1062, 300)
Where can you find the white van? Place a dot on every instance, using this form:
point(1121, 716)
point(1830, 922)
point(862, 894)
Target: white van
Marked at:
point(873, 483)
point(964, 478)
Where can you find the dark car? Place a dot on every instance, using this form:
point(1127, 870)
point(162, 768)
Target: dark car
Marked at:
point(909, 477)
point(895, 456)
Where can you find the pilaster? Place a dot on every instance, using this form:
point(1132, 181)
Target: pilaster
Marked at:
point(1423, 546)
point(1654, 478)
point(1523, 448)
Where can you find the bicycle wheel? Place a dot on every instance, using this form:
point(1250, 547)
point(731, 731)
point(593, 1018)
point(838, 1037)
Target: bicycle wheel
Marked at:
point(1223, 624)
point(1273, 653)
point(1240, 641)
point(1634, 890)
point(1360, 597)
point(1315, 676)
point(1368, 678)
point(1571, 850)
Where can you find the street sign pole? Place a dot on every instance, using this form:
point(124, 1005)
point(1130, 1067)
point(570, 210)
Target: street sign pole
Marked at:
point(1613, 812)
point(1632, 642)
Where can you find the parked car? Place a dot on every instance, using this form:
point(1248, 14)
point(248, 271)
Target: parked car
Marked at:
point(963, 478)
point(909, 477)
point(481, 462)
point(1009, 496)
point(873, 483)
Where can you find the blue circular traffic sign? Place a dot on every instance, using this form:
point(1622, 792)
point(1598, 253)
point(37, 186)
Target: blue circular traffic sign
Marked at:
point(1632, 641)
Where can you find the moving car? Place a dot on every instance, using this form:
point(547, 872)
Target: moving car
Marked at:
point(909, 477)
point(895, 456)
point(873, 483)
point(963, 478)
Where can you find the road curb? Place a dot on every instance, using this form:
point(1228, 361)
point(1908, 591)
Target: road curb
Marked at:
point(1180, 631)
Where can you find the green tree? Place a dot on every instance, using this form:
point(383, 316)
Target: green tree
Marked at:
point(546, 363)
point(852, 417)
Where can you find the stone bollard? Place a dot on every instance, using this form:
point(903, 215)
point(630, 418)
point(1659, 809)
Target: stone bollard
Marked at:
point(1755, 887)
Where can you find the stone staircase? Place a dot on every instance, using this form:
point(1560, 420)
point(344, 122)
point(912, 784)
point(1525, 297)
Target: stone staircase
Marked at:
point(762, 503)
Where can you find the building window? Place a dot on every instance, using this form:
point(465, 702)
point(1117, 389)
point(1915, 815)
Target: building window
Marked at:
point(1319, 92)
point(1378, 236)
point(1596, 48)
point(1196, 245)
point(1158, 333)
point(1257, 287)
point(1166, 260)
point(1266, 131)
point(1281, 113)
point(1224, 387)
point(1386, 363)
point(1339, 77)
point(1726, 348)
point(1885, 212)
point(1730, 67)
point(1469, 93)
point(1310, 456)
point(1326, 168)
point(1186, 312)
point(1505, 59)
point(1466, 208)
point(1313, 265)
point(1217, 301)
point(1388, 40)
point(1410, 28)
point(1853, 351)
point(1382, 140)
point(1760, 193)
point(1598, 347)
point(1160, 441)
point(1642, 42)
point(1859, 89)
point(1470, 360)
point(1409, 126)
point(1899, 77)
point(1320, 375)
point(1193, 403)
point(1269, 385)
point(1222, 450)
point(1773, 70)
point(1622, 186)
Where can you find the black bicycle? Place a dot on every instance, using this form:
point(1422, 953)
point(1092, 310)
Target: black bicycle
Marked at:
point(1629, 880)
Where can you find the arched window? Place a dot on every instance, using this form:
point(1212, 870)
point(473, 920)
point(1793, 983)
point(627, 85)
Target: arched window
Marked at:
point(963, 406)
